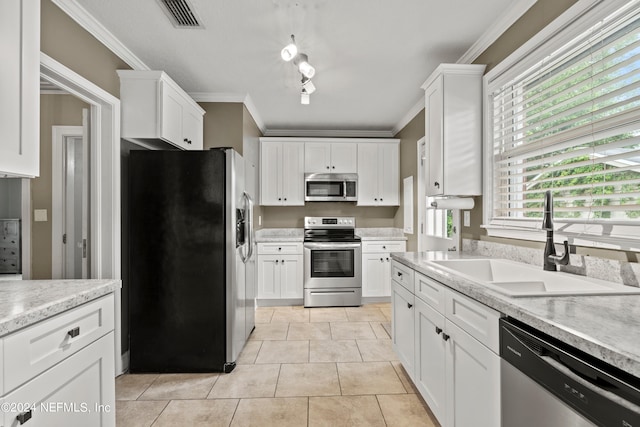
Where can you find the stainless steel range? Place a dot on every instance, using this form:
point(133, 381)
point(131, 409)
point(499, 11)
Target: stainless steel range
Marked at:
point(332, 262)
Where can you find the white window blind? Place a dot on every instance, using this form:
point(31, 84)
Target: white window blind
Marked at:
point(571, 124)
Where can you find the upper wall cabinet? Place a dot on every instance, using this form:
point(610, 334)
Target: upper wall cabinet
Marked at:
point(20, 88)
point(379, 173)
point(281, 173)
point(453, 114)
point(330, 157)
point(155, 107)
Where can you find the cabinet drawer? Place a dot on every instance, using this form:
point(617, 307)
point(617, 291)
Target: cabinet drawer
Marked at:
point(403, 275)
point(38, 347)
point(9, 241)
point(9, 265)
point(430, 292)
point(478, 320)
point(280, 248)
point(385, 247)
point(11, 252)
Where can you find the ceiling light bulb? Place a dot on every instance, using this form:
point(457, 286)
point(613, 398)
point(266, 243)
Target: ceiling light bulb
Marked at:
point(304, 98)
point(289, 51)
point(308, 86)
point(306, 69)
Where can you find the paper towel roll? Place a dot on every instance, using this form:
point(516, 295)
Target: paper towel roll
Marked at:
point(464, 203)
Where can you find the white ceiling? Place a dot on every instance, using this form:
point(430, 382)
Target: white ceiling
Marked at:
point(371, 56)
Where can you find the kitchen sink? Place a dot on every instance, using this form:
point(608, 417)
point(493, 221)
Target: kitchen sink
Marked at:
point(523, 280)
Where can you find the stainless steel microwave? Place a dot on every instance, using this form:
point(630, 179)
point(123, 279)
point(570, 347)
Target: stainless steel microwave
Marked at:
point(330, 187)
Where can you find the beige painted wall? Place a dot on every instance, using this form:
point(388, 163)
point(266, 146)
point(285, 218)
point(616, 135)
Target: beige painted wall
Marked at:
point(293, 216)
point(223, 123)
point(55, 110)
point(65, 41)
point(409, 136)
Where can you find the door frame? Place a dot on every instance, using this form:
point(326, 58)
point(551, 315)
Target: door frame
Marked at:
point(58, 218)
point(104, 166)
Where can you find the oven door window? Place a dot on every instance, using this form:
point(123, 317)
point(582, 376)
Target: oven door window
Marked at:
point(333, 263)
point(325, 188)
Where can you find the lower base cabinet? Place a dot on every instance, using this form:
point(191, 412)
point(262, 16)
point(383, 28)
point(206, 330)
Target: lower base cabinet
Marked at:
point(76, 392)
point(457, 373)
point(279, 276)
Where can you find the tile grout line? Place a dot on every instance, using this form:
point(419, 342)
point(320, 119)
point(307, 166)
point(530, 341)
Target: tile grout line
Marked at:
point(160, 413)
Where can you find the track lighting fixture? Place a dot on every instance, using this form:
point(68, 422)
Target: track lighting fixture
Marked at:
point(301, 61)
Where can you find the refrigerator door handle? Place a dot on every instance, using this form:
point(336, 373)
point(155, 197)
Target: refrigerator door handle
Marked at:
point(248, 206)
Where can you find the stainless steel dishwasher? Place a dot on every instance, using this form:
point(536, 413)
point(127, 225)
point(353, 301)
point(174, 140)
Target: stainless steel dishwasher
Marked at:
point(546, 382)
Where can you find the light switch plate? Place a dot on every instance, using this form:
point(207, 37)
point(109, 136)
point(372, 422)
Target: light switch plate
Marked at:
point(467, 218)
point(40, 215)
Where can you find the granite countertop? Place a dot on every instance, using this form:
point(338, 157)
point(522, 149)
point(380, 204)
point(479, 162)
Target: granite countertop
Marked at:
point(25, 302)
point(387, 234)
point(606, 326)
point(267, 235)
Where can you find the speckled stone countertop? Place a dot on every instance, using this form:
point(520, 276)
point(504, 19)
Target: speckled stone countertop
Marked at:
point(607, 327)
point(25, 302)
point(387, 234)
point(266, 235)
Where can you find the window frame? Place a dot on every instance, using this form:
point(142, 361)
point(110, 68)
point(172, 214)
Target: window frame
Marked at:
point(595, 233)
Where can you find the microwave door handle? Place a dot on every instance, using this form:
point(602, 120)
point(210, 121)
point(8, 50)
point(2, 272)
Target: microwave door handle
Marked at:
point(344, 189)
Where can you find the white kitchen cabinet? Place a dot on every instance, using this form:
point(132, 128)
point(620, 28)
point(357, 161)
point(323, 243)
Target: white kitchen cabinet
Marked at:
point(154, 107)
point(402, 303)
point(453, 121)
point(281, 173)
point(63, 367)
point(378, 173)
point(456, 366)
point(280, 273)
point(376, 267)
point(336, 157)
point(20, 88)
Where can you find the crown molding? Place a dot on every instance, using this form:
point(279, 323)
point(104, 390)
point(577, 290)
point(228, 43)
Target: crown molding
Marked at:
point(329, 133)
point(411, 114)
point(97, 30)
point(495, 30)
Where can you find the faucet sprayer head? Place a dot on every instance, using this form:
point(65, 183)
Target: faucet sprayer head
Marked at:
point(547, 219)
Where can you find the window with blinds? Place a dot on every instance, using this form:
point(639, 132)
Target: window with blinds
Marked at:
point(571, 124)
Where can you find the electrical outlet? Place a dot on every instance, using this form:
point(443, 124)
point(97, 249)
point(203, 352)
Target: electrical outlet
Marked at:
point(260, 220)
point(467, 218)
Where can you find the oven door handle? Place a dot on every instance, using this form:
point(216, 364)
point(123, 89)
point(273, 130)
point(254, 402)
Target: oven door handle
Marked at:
point(332, 245)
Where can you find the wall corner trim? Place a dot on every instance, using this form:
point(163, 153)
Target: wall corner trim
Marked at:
point(413, 111)
point(97, 30)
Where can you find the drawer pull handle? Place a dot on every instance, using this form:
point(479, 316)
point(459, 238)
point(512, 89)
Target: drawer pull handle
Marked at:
point(409, 305)
point(24, 417)
point(399, 274)
point(438, 330)
point(445, 337)
point(74, 332)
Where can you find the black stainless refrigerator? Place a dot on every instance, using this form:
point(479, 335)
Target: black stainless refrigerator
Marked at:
point(191, 309)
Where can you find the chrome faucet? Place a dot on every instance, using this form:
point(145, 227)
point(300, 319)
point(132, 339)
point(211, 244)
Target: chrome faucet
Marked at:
point(551, 260)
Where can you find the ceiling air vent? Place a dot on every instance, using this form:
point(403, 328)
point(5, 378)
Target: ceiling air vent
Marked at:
point(181, 13)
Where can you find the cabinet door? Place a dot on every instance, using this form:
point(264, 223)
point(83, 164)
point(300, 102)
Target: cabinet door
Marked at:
point(270, 173)
point(192, 127)
point(344, 158)
point(373, 275)
point(291, 276)
point(268, 276)
point(317, 157)
point(367, 174)
point(20, 87)
point(172, 116)
point(292, 174)
point(79, 391)
point(430, 354)
point(434, 136)
point(402, 326)
point(473, 378)
point(388, 174)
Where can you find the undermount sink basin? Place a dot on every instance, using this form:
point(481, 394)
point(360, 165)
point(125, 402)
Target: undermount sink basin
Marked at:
point(523, 280)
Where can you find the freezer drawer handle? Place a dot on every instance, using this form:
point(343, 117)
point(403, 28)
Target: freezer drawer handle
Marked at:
point(24, 417)
point(74, 332)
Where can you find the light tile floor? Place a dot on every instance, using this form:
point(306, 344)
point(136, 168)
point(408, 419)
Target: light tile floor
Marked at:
point(301, 367)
